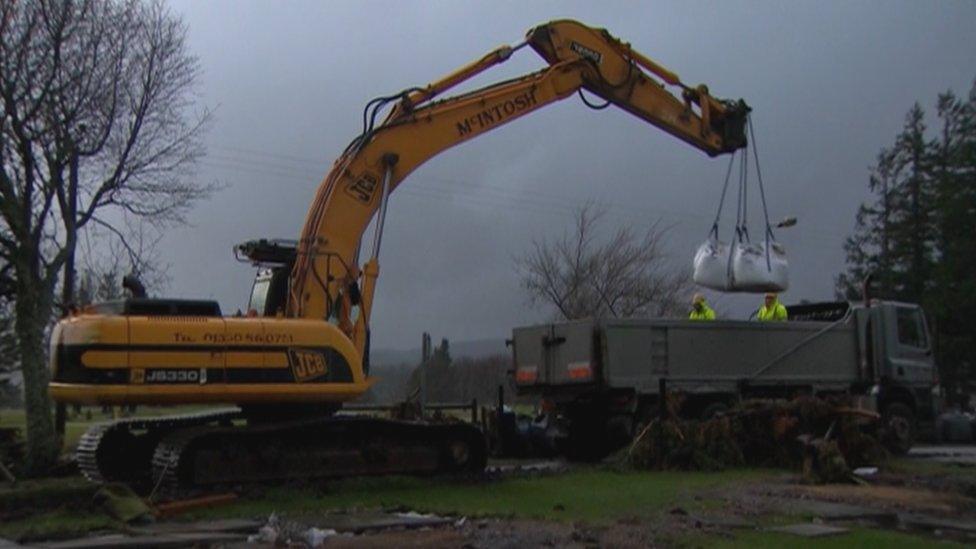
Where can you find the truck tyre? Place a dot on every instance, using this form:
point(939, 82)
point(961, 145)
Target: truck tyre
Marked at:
point(898, 429)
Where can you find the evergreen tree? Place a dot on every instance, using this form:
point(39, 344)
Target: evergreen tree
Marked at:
point(917, 235)
point(868, 249)
point(954, 299)
point(894, 236)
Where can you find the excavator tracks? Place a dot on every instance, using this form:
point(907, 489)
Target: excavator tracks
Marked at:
point(176, 455)
point(122, 450)
point(339, 446)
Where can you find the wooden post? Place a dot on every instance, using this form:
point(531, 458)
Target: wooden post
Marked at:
point(662, 413)
point(662, 391)
point(424, 363)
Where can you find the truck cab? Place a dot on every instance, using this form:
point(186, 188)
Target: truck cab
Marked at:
point(906, 386)
point(895, 351)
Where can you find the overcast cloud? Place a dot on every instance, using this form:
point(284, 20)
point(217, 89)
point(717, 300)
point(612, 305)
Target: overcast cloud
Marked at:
point(829, 84)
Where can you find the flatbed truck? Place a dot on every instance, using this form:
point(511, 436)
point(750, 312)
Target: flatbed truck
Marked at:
point(600, 378)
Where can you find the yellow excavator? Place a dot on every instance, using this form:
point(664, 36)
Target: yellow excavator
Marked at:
point(303, 347)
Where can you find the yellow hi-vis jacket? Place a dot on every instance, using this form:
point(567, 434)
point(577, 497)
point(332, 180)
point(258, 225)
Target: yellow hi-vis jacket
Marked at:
point(706, 313)
point(776, 313)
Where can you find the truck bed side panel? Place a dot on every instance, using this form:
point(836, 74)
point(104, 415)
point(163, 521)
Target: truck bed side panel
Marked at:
point(715, 356)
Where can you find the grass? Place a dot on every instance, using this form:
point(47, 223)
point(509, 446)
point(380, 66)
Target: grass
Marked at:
point(72, 429)
point(77, 424)
point(47, 493)
point(61, 507)
point(57, 524)
point(50, 508)
point(862, 538)
point(593, 495)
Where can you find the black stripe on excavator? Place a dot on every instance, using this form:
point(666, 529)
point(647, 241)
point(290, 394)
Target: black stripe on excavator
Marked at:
point(71, 370)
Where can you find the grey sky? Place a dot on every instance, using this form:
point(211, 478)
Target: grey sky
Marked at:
point(829, 84)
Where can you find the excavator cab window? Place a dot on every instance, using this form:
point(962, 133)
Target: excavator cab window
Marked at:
point(269, 294)
point(270, 291)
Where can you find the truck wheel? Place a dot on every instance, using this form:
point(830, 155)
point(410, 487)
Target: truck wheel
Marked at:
point(898, 432)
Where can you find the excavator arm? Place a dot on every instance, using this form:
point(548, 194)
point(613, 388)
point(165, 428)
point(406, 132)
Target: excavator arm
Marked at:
point(326, 282)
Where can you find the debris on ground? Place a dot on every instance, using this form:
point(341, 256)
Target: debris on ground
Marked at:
point(122, 504)
point(865, 472)
point(315, 537)
point(176, 507)
point(268, 533)
point(825, 439)
point(365, 521)
point(895, 498)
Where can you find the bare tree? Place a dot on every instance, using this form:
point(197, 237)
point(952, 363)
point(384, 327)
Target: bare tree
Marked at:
point(95, 119)
point(628, 274)
point(107, 254)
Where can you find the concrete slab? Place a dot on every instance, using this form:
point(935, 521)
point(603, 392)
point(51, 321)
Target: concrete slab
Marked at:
point(526, 467)
point(829, 511)
point(357, 523)
point(810, 530)
point(240, 526)
point(944, 449)
point(119, 541)
point(924, 522)
point(7, 544)
point(959, 454)
point(723, 522)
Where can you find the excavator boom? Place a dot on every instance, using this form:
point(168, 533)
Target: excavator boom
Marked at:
point(418, 127)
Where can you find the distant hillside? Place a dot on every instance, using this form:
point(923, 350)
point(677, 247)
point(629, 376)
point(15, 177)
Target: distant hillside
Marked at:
point(478, 348)
point(478, 367)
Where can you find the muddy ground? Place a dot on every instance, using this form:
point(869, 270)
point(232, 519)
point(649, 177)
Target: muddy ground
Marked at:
point(929, 510)
point(910, 502)
point(919, 504)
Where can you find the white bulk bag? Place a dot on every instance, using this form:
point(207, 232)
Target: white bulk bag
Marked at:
point(712, 265)
point(752, 273)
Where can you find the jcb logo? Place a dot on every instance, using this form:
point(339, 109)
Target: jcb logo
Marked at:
point(306, 365)
point(363, 188)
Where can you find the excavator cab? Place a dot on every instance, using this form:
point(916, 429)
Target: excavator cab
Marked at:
point(269, 293)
